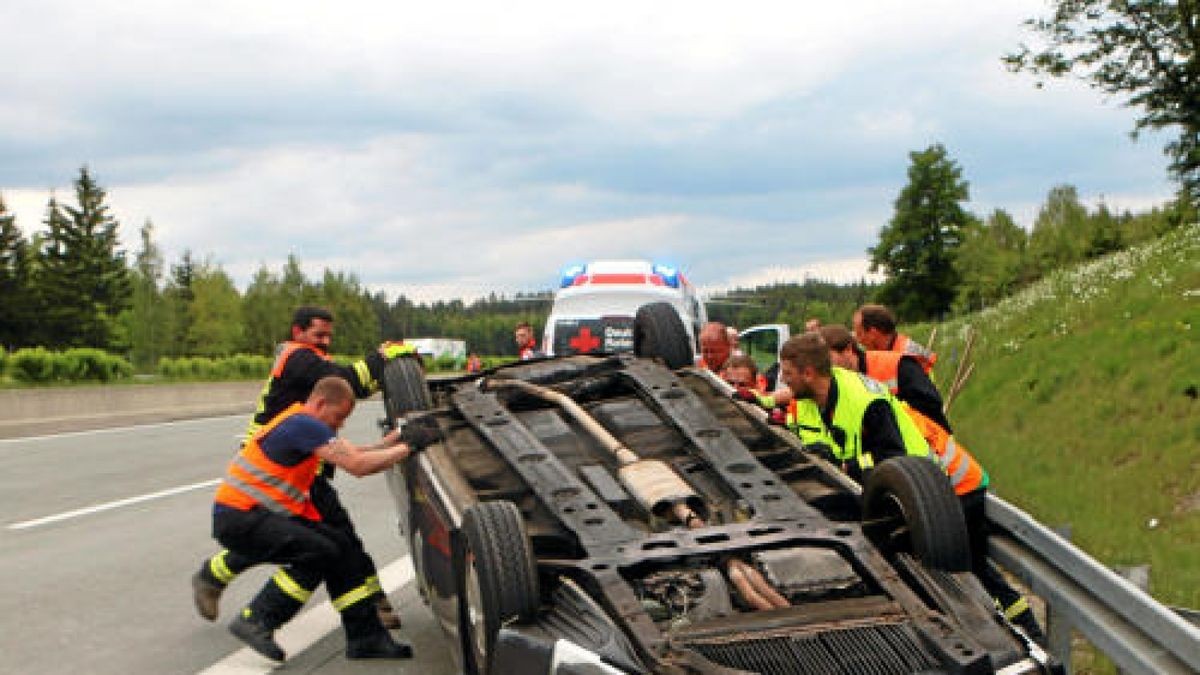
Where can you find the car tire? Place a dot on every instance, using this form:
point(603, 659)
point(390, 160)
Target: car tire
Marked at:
point(499, 577)
point(658, 332)
point(909, 507)
point(404, 388)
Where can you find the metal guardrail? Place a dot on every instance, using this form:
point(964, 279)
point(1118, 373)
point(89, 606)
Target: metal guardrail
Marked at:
point(1138, 633)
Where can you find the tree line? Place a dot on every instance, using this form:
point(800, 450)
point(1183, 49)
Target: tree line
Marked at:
point(940, 259)
point(72, 285)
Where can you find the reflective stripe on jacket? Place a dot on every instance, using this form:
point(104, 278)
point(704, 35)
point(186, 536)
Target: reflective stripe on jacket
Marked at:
point(885, 367)
point(855, 392)
point(905, 345)
point(966, 474)
point(254, 479)
point(282, 353)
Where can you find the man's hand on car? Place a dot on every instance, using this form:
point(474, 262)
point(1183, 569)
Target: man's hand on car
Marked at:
point(420, 432)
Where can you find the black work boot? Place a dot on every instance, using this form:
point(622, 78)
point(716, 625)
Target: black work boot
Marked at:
point(377, 646)
point(257, 636)
point(387, 614)
point(206, 593)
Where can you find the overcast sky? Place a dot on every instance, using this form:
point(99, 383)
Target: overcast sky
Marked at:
point(446, 150)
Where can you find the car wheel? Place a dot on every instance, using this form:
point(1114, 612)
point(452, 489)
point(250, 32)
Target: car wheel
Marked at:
point(404, 388)
point(658, 332)
point(499, 578)
point(909, 507)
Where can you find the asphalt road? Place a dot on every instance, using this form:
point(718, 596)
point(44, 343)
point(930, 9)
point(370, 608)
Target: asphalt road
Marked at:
point(101, 531)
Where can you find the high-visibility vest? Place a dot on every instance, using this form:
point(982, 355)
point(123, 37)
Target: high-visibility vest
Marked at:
point(254, 479)
point(855, 392)
point(904, 345)
point(885, 367)
point(282, 353)
point(966, 474)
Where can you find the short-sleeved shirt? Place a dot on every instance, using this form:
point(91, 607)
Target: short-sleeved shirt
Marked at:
point(295, 439)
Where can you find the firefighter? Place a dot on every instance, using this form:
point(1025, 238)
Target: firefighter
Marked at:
point(875, 329)
point(299, 364)
point(967, 477)
point(848, 417)
point(902, 374)
point(263, 512)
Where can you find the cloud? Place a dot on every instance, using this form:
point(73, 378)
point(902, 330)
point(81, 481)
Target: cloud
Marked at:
point(473, 147)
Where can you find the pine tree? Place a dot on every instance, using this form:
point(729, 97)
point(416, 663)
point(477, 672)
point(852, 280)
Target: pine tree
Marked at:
point(15, 307)
point(917, 248)
point(83, 283)
point(179, 296)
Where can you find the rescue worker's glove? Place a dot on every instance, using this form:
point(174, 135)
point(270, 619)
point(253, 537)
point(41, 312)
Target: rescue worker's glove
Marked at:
point(777, 417)
point(420, 432)
point(745, 394)
point(395, 350)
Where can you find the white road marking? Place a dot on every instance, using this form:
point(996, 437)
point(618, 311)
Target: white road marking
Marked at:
point(305, 630)
point(107, 430)
point(112, 505)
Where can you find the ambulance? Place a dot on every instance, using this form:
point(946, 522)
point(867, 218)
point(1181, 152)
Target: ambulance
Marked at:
point(595, 304)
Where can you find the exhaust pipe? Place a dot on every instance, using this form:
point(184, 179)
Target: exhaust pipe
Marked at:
point(659, 490)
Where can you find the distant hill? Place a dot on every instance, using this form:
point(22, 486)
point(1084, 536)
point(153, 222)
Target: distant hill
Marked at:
point(1083, 405)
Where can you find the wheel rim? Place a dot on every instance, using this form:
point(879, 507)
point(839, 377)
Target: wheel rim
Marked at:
point(476, 621)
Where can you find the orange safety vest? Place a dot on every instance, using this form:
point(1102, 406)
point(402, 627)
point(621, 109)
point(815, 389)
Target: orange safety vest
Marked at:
point(904, 345)
point(885, 367)
point(966, 474)
point(254, 479)
point(284, 352)
point(288, 348)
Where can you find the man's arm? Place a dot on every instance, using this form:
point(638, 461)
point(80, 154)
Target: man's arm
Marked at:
point(393, 447)
point(917, 390)
point(364, 460)
point(881, 434)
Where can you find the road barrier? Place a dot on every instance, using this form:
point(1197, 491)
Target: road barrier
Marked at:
point(1137, 632)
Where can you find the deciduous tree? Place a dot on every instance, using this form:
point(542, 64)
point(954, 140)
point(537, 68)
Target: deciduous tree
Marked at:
point(1145, 51)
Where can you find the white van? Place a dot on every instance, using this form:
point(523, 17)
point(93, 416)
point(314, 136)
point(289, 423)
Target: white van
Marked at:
point(596, 302)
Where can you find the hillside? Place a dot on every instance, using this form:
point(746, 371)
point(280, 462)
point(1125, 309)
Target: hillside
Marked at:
point(1083, 405)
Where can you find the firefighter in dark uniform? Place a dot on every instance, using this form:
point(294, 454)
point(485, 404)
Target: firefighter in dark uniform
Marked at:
point(263, 512)
point(299, 364)
point(875, 329)
point(902, 374)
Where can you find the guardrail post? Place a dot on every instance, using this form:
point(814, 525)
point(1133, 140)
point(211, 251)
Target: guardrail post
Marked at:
point(1138, 575)
point(1059, 631)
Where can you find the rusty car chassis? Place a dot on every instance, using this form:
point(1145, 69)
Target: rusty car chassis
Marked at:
point(539, 550)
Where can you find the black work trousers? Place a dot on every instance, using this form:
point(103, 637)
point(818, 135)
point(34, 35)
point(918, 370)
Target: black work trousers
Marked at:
point(993, 581)
point(314, 549)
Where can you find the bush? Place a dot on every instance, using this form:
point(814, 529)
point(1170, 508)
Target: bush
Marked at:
point(38, 365)
point(32, 365)
point(202, 368)
point(3, 362)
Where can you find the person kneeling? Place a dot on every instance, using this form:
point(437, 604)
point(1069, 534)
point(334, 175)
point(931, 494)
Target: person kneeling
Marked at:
point(263, 511)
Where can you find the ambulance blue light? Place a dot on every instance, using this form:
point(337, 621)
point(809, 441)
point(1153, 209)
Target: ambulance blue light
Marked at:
point(569, 275)
point(668, 274)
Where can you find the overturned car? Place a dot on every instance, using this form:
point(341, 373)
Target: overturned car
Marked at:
point(621, 514)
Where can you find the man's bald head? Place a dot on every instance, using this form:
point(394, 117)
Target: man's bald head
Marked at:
point(714, 345)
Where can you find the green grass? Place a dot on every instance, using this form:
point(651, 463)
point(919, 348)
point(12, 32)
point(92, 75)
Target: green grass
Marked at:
point(1083, 405)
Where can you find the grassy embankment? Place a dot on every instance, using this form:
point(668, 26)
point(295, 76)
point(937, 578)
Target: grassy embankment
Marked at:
point(1083, 406)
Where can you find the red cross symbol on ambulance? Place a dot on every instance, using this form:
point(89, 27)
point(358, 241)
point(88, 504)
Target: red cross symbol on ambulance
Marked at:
point(584, 342)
